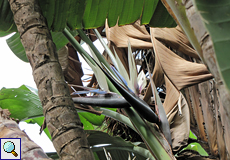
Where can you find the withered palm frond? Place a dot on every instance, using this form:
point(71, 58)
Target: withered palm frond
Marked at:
point(180, 72)
point(136, 34)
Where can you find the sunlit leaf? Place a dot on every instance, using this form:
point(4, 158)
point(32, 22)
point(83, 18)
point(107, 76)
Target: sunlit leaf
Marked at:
point(86, 124)
point(196, 147)
point(21, 102)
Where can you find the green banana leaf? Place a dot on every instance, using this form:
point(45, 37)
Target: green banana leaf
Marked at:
point(216, 17)
point(21, 102)
point(90, 14)
point(161, 18)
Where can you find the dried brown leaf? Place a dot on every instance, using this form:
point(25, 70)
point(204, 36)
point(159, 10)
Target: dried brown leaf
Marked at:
point(193, 123)
point(176, 39)
point(179, 124)
point(223, 111)
point(180, 72)
point(138, 36)
point(172, 96)
point(74, 71)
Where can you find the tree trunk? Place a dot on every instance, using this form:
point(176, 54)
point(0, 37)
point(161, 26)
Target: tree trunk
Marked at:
point(9, 129)
point(61, 117)
point(210, 59)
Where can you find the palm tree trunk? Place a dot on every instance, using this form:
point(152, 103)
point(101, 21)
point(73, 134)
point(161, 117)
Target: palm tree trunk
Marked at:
point(61, 117)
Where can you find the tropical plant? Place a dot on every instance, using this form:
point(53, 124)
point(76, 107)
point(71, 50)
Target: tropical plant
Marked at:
point(175, 66)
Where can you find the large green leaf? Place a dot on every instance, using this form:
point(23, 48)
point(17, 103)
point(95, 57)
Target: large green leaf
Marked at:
point(17, 48)
point(161, 18)
point(216, 17)
point(95, 13)
point(150, 7)
point(21, 102)
point(90, 13)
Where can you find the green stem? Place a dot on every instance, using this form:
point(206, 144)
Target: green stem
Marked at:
point(95, 50)
point(149, 138)
point(84, 54)
point(77, 46)
point(117, 116)
point(106, 47)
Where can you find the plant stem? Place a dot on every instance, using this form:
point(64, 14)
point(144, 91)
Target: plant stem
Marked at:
point(153, 143)
point(106, 48)
point(95, 50)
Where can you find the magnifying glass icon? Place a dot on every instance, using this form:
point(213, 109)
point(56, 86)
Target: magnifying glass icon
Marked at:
point(9, 147)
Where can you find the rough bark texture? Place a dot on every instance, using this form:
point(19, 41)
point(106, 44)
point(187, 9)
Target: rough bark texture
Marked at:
point(9, 129)
point(61, 117)
point(194, 94)
point(220, 131)
point(209, 115)
point(210, 59)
